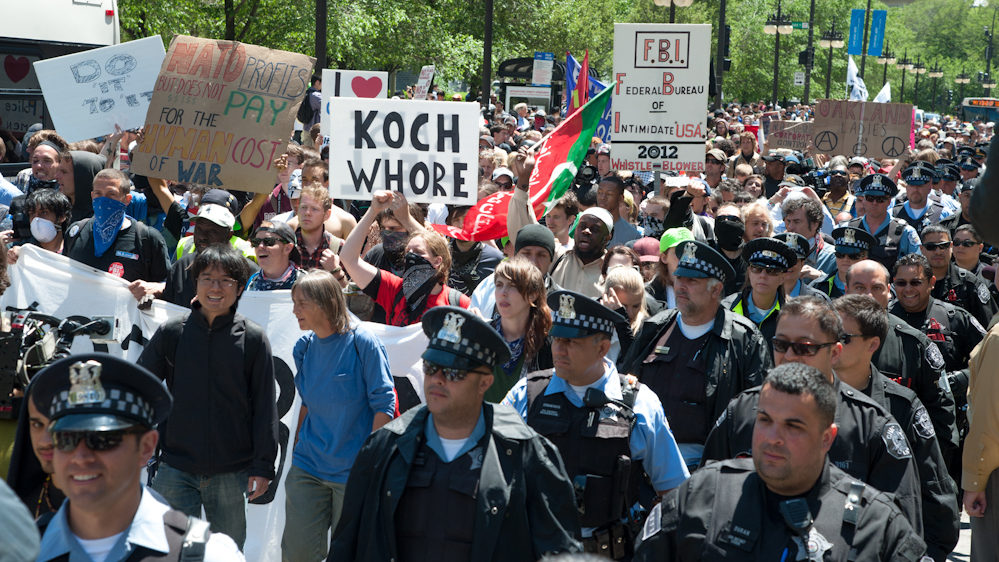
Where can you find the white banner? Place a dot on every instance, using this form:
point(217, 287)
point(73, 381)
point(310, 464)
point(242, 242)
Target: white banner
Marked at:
point(350, 84)
point(63, 287)
point(660, 96)
point(426, 149)
point(89, 93)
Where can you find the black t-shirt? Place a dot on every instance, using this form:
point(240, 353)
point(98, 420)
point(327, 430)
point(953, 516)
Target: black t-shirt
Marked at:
point(138, 252)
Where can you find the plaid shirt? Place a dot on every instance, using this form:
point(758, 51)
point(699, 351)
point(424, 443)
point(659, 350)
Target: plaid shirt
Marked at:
point(311, 261)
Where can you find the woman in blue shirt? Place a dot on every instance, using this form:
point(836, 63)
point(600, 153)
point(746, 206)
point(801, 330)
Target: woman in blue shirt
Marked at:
point(347, 392)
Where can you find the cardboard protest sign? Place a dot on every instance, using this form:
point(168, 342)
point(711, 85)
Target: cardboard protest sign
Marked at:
point(790, 134)
point(660, 96)
point(221, 112)
point(422, 87)
point(350, 84)
point(88, 93)
point(16, 115)
point(860, 128)
point(424, 149)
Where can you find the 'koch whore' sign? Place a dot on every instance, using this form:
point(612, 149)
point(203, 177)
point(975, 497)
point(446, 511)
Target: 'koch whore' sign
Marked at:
point(428, 150)
point(221, 112)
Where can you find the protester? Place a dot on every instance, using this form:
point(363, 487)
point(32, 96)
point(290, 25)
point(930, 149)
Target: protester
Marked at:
point(31, 467)
point(274, 245)
point(49, 215)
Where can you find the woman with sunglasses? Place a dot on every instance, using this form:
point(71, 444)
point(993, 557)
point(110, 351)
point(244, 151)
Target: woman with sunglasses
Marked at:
point(278, 258)
point(347, 392)
point(768, 260)
point(852, 245)
point(968, 246)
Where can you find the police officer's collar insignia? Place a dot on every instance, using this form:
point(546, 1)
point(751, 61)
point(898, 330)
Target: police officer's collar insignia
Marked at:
point(895, 442)
point(451, 330)
point(85, 384)
point(689, 253)
point(567, 307)
point(848, 237)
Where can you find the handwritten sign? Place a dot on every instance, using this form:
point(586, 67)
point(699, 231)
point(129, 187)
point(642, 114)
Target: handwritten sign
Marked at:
point(423, 83)
point(88, 93)
point(790, 134)
point(424, 149)
point(660, 92)
point(221, 112)
point(16, 115)
point(860, 128)
point(350, 84)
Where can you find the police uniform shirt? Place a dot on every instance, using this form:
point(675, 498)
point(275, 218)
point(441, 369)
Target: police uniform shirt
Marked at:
point(651, 439)
point(955, 331)
point(435, 443)
point(908, 243)
point(146, 531)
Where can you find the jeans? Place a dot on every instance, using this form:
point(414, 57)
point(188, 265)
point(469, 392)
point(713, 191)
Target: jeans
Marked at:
point(312, 508)
point(222, 495)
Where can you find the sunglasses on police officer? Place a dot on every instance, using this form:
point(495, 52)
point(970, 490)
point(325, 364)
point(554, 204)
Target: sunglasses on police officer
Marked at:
point(802, 349)
point(97, 441)
point(449, 373)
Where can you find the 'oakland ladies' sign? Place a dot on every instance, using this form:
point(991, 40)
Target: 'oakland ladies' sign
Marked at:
point(427, 150)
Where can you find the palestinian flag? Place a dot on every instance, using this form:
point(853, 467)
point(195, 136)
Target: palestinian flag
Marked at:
point(555, 167)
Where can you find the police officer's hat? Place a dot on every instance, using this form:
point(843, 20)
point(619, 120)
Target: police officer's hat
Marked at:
point(578, 316)
point(459, 339)
point(850, 240)
point(100, 392)
point(700, 261)
point(797, 243)
point(949, 171)
point(877, 185)
point(918, 173)
point(769, 252)
point(965, 151)
point(968, 163)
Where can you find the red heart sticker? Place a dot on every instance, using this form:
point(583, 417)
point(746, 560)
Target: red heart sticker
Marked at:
point(366, 87)
point(16, 67)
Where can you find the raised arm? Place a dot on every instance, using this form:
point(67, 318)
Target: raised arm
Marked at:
point(361, 271)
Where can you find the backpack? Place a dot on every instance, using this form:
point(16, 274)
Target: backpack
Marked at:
point(305, 111)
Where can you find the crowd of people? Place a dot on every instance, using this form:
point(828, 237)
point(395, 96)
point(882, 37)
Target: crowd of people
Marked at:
point(783, 356)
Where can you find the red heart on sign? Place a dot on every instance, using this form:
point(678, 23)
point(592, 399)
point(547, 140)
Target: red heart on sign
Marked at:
point(16, 67)
point(366, 87)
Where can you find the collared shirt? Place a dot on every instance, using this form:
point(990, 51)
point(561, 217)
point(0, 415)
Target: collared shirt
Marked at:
point(844, 204)
point(822, 256)
point(758, 315)
point(651, 438)
point(311, 261)
point(434, 440)
point(909, 242)
point(146, 530)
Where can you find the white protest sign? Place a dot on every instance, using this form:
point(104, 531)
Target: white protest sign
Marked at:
point(63, 287)
point(659, 96)
point(89, 93)
point(423, 84)
point(425, 149)
point(350, 84)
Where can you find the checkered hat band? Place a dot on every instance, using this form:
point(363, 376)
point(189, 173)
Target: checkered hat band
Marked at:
point(124, 402)
point(467, 348)
point(704, 266)
point(857, 245)
point(767, 257)
point(586, 322)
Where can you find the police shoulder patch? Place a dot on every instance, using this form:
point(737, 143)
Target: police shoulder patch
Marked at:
point(983, 293)
point(895, 441)
point(923, 425)
point(978, 325)
point(653, 523)
point(933, 356)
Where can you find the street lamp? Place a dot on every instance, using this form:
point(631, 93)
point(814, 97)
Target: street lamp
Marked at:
point(778, 24)
point(904, 64)
point(935, 73)
point(830, 39)
point(672, 6)
point(962, 79)
point(917, 69)
point(887, 57)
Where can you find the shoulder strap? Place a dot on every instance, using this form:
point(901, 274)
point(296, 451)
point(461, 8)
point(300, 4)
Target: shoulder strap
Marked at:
point(536, 384)
point(557, 261)
point(851, 516)
point(453, 297)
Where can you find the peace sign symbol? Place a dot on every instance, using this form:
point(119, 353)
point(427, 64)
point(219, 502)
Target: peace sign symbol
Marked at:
point(893, 146)
point(826, 141)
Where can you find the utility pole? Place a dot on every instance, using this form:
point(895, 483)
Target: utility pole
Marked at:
point(723, 39)
point(863, 48)
point(487, 55)
point(811, 54)
point(320, 35)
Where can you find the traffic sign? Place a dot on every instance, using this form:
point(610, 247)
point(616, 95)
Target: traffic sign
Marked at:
point(799, 25)
point(799, 78)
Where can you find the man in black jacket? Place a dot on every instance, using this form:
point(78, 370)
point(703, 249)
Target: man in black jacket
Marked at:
point(220, 442)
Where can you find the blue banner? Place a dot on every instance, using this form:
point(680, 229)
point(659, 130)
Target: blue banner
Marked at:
point(856, 44)
point(572, 68)
point(876, 41)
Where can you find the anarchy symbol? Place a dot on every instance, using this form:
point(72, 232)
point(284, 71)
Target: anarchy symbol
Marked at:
point(893, 146)
point(826, 141)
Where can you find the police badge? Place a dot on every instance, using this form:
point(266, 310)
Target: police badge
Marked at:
point(983, 293)
point(895, 442)
point(451, 330)
point(689, 253)
point(85, 383)
point(934, 357)
point(848, 237)
point(566, 307)
point(923, 425)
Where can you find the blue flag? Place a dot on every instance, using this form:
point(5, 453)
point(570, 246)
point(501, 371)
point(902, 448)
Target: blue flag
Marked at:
point(572, 68)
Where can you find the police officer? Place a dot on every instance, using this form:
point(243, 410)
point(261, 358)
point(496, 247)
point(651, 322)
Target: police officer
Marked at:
point(920, 210)
point(760, 301)
point(865, 324)
point(870, 444)
point(458, 478)
point(852, 245)
point(895, 237)
point(793, 284)
point(956, 285)
point(788, 502)
point(697, 356)
point(104, 411)
point(609, 428)
point(907, 356)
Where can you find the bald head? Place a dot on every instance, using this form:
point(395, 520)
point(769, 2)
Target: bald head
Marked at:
point(868, 277)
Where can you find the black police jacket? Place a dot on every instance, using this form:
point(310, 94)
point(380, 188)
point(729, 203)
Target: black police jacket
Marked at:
point(962, 288)
point(724, 511)
point(526, 507)
point(737, 356)
point(870, 444)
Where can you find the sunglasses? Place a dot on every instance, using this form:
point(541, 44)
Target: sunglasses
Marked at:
point(768, 270)
point(858, 256)
point(847, 338)
point(450, 374)
point(800, 348)
point(838, 173)
point(503, 184)
point(99, 441)
point(965, 243)
point(268, 242)
point(711, 161)
point(875, 198)
point(905, 283)
point(934, 246)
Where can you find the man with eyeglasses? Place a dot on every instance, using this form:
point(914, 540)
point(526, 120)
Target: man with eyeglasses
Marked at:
point(104, 413)
point(852, 245)
point(865, 326)
point(458, 478)
point(609, 428)
point(219, 446)
point(839, 199)
point(870, 444)
point(895, 237)
point(697, 356)
point(955, 284)
point(714, 167)
point(919, 211)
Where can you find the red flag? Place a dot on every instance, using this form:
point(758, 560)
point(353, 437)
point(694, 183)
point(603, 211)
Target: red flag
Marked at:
point(581, 94)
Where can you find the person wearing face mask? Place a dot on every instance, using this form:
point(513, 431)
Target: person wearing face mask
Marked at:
point(76, 178)
point(49, 211)
point(730, 233)
point(652, 217)
point(427, 264)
